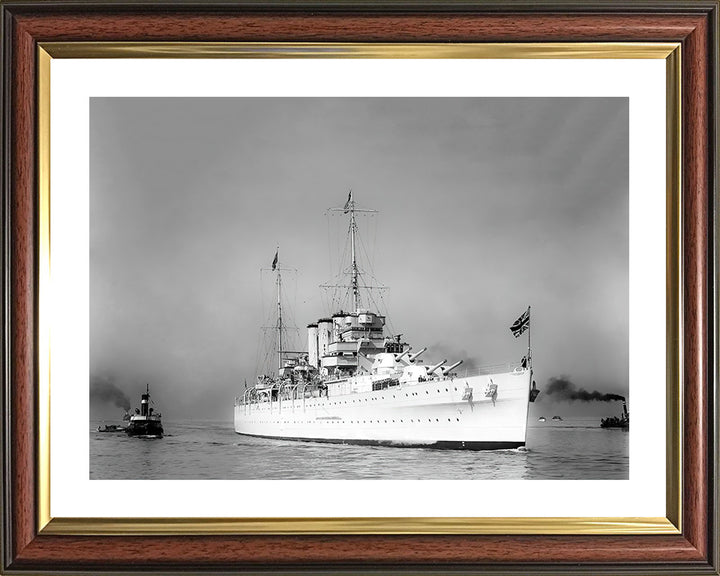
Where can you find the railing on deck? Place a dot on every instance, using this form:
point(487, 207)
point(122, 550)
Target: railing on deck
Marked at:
point(290, 392)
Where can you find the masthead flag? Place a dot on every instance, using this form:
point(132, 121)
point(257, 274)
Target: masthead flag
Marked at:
point(274, 264)
point(521, 324)
point(347, 204)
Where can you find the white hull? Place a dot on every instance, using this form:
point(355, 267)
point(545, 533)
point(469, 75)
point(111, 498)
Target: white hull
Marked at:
point(435, 413)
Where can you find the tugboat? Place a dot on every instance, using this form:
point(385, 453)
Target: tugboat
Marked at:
point(622, 421)
point(145, 423)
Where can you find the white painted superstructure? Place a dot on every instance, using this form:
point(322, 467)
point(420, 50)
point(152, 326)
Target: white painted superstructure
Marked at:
point(357, 384)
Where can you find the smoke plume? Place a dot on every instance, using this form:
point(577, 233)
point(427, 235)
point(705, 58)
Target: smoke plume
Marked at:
point(102, 389)
point(438, 351)
point(564, 389)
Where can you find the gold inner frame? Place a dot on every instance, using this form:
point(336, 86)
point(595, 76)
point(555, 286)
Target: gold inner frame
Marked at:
point(671, 524)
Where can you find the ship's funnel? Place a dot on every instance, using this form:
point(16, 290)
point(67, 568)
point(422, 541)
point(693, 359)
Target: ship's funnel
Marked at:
point(433, 368)
point(416, 355)
point(449, 368)
point(313, 348)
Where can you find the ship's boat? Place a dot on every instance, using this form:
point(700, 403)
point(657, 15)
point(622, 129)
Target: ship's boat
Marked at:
point(359, 384)
point(146, 422)
point(110, 428)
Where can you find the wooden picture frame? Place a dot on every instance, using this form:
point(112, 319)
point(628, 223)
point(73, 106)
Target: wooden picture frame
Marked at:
point(31, 545)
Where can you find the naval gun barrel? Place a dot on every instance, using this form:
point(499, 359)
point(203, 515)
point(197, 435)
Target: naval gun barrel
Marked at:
point(417, 354)
point(403, 354)
point(449, 368)
point(433, 368)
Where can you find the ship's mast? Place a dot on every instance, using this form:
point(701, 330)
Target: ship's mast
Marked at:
point(278, 344)
point(529, 354)
point(278, 281)
point(355, 286)
point(354, 273)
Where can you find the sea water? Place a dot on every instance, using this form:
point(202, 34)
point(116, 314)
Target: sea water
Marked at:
point(571, 449)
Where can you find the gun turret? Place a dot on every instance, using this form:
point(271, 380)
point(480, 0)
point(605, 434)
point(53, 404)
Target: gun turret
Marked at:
point(403, 354)
point(449, 368)
point(416, 355)
point(433, 368)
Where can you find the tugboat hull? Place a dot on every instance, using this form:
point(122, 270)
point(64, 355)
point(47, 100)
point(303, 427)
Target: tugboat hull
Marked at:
point(145, 428)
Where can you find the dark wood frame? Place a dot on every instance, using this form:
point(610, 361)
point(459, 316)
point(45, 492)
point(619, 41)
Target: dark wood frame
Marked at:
point(26, 23)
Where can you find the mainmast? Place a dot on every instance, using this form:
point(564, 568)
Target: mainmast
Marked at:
point(278, 281)
point(279, 327)
point(277, 342)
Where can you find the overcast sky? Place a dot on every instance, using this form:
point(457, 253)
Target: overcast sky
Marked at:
point(487, 205)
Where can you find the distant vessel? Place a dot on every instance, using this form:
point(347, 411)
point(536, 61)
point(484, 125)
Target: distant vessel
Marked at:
point(557, 418)
point(358, 384)
point(110, 428)
point(145, 423)
point(542, 419)
point(622, 421)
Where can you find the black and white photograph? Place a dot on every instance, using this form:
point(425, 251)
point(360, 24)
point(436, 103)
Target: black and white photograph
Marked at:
point(345, 288)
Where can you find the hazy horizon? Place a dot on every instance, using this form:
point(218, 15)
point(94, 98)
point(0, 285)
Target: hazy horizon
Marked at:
point(486, 206)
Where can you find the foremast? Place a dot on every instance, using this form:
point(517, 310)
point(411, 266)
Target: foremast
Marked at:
point(354, 287)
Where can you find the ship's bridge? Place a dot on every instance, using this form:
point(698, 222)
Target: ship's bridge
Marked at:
point(344, 339)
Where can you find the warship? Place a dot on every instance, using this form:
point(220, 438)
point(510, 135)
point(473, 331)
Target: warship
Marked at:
point(357, 383)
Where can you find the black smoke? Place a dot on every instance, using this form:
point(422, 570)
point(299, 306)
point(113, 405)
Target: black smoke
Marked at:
point(102, 389)
point(563, 389)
